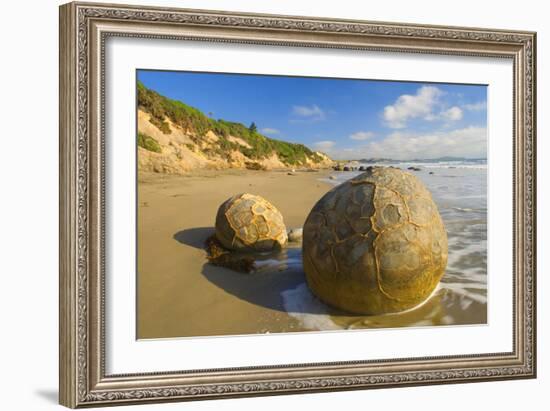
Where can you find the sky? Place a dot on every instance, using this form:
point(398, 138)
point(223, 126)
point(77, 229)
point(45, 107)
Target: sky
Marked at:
point(347, 119)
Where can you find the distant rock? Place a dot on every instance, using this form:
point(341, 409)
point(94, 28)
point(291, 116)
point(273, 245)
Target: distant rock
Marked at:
point(414, 168)
point(295, 235)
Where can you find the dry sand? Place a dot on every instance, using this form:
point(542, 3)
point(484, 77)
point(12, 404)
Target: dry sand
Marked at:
point(179, 294)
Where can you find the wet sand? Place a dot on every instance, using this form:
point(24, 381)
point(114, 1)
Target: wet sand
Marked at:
point(179, 293)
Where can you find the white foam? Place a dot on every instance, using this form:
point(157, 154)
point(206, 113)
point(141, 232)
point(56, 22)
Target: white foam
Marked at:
point(465, 210)
point(301, 304)
point(465, 303)
point(458, 288)
point(451, 166)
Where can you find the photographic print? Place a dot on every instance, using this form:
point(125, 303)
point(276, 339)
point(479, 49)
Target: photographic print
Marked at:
point(276, 204)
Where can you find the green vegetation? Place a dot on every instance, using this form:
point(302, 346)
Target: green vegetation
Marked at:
point(148, 143)
point(198, 124)
point(161, 125)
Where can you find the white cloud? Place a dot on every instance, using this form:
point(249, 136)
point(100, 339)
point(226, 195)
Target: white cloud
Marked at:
point(479, 106)
point(312, 112)
point(470, 142)
point(423, 105)
point(453, 114)
point(268, 130)
point(466, 142)
point(409, 106)
point(325, 145)
point(362, 135)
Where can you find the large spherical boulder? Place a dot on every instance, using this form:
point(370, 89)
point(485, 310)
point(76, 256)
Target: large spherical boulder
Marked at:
point(248, 222)
point(375, 244)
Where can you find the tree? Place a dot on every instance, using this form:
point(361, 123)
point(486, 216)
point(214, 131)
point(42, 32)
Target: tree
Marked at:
point(253, 128)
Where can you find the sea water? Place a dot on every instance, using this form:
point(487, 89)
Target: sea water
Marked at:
point(459, 188)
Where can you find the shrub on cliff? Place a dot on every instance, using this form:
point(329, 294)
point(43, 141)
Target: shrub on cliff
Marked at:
point(148, 143)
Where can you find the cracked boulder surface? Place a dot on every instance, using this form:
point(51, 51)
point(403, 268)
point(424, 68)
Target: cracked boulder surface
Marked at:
point(247, 222)
point(375, 244)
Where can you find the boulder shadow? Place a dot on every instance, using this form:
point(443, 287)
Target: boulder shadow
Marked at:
point(276, 274)
point(194, 237)
point(262, 290)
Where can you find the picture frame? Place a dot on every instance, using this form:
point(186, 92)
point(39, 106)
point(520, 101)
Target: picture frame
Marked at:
point(84, 30)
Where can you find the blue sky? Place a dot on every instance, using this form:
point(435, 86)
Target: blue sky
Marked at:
point(345, 118)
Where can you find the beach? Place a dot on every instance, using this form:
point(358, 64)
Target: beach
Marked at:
point(180, 294)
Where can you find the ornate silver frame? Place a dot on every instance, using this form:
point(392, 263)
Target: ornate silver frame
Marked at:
point(84, 27)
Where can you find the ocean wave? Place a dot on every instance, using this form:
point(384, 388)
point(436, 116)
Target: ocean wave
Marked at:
point(468, 209)
point(442, 164)
point(301, 304)
point(461, 166)
point(465, 291)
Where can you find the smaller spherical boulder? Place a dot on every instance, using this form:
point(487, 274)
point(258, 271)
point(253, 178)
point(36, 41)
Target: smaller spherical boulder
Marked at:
point(247, 222)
